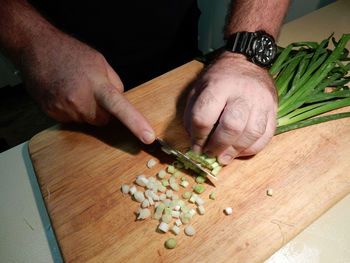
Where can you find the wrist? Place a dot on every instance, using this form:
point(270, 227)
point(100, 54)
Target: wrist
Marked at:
point(234, 59)
point(22, 28)
point(259, 47)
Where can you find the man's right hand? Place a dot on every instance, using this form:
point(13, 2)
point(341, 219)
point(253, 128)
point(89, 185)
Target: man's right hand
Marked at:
point(70, 80)
point(73, 82)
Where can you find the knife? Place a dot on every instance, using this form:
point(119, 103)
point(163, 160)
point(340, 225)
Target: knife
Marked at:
point(186, 159)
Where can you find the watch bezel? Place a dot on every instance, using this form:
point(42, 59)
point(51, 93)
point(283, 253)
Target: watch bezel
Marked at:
point(260, 35)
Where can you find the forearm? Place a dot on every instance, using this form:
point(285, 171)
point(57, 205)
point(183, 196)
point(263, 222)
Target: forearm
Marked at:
point(254, 15)
point(21, 28)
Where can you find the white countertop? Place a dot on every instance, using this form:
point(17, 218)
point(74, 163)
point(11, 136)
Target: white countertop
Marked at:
point(25, 230)
point(26, 234)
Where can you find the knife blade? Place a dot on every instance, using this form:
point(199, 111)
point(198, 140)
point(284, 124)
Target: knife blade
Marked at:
point(185, 158)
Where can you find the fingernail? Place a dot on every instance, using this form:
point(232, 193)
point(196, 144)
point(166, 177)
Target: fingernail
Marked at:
point(147, 137)
point(226, 159)
point(196, 148)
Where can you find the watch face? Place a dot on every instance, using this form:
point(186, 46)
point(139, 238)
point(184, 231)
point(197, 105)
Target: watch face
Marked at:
point(264, 49)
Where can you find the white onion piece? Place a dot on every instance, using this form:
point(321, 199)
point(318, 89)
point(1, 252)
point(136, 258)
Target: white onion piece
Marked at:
point(151, 163)
point(189, 230)
point(125, 189)
point(178, 222)
point(145, 203)
point(143, 213)
point(139, 197)
point(132, 190)
point(164, 227)
point(228, 210)
point(175, 230)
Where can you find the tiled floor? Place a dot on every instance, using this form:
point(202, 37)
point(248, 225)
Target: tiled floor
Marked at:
point(20, 117)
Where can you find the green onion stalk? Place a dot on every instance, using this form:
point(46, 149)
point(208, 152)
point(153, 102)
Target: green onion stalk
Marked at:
point(311, 80)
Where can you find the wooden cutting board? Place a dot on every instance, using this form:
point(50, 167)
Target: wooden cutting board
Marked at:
point(80, 170)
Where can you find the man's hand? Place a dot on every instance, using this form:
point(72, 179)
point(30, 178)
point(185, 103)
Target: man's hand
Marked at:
point(73, 82)
point(242, 98)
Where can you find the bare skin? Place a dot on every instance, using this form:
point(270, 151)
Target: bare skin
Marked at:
point(73, 82)
point(235, 92)
point(70, 80)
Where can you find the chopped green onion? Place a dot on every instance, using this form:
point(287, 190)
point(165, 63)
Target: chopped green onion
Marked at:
point(166, 218)
point(184, 183)
point(183, 178)
point(160, 187)
point(201, 210)
point(165, 183)
point(171, 169)
point(132, 190)
point(151, 163)
point(216, 170)
point(172, 179)
point(212, 196)
point(175, 214)
point(162, 197)
point(178, 222)
point(175, 230)
point(199, 201)
point(169, 193)
point(185, 217)
point(145, 203)
point(200, 179)
point(185, 209)
point(193, 198)
point(164, 227)
point(177, 174)
point(192, 212)
point(175, 186)
point(189, 230)
point(170, 243)
point(270, 192)
point(139, 196)
point(125, 189)
point(228, 210)
point(161, 174)
point(186, 195)
point(159, 211)
point(199, 188)
point(143, 213)
point(178, 165)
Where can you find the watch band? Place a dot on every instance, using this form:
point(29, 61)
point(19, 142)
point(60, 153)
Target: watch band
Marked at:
point(241, 42)
point(259, 47)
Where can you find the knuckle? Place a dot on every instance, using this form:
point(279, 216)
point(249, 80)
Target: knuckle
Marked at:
point(232, 127)
point(206, 98)
point(199, 121)
point(253, 134)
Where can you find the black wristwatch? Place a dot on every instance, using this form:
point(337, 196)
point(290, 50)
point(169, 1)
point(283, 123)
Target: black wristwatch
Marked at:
point(259, 47)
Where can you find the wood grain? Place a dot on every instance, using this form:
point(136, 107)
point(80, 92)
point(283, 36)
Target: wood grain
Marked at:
point(80, 170)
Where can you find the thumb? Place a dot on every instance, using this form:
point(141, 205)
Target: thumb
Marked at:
point(114, 102)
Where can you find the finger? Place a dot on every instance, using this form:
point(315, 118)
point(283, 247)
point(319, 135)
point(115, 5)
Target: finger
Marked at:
point(188, 110)
point(115, 103)
point(254, 130)
point(232, 123)
point(265, 139)
point(205, 112)
point(61, 113)
point(114, 79)
point(96, 116)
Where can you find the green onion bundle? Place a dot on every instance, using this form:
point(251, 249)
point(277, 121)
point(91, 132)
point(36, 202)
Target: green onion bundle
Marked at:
point(310, 80)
